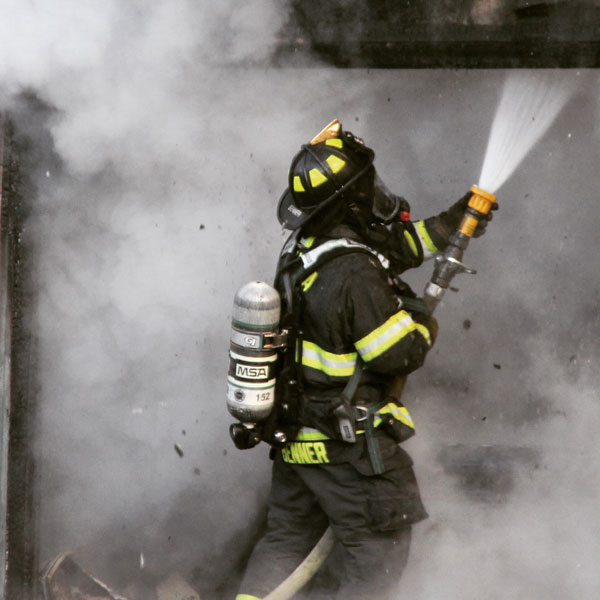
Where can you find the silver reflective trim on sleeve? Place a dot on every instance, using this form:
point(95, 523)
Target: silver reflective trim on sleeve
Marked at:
point(335, 365)
point(392, 331)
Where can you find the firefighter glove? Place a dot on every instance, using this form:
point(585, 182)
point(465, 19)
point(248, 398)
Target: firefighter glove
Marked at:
point(454, 215)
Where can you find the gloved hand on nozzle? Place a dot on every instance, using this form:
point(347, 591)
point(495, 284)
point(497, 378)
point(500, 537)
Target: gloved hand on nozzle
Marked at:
point(453, 216)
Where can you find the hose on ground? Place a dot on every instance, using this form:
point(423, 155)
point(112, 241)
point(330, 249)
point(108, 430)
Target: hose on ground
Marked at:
point(307, 568)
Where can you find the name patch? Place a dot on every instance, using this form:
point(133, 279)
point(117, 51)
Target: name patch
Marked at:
point(305, 453)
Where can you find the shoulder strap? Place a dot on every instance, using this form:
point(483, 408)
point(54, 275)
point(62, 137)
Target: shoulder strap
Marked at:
point(293, 269)
point(343, 410)
point(326, 251)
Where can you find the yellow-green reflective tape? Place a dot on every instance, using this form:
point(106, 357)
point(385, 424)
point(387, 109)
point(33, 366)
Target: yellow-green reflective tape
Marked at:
point(424, 332)
point(336, 142)
point(336, 163)
point(308, 281)
point(385, 336)
point(411, 243)
point(307, 242)
point(426, 240)
point(308, 434)
point(400, 413)
point(246, 597)
point(316, 177)
point(336, 365)
point(298, 187)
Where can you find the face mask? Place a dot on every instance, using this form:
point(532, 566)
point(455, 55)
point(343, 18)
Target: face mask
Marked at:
point(388, 207)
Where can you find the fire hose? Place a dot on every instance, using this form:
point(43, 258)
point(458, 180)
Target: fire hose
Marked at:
point(447, 265)
point(307, 568)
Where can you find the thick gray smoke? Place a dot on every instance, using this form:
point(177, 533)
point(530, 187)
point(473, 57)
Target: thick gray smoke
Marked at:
point(156, 201)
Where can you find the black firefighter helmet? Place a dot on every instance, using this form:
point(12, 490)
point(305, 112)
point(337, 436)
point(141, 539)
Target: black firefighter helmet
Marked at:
point(332, 162)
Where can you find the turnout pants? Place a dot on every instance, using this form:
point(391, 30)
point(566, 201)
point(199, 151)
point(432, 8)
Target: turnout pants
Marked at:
point(370, 515)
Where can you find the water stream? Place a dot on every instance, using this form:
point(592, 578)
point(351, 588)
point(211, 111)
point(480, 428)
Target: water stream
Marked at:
point(529, 104)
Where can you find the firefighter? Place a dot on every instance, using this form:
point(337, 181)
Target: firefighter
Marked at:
point(359, 331)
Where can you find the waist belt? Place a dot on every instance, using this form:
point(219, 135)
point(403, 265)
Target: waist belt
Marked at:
point(312, 446)
point(348, 415)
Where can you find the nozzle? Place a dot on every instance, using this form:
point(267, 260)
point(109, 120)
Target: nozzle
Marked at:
point(449, 263)
point(479, 205)
point(481, 201)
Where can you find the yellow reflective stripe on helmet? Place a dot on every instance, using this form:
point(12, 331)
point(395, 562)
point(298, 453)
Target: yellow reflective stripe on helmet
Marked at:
point(411, 242)
point(335, 142)
point(298, 187)
point(400, 413)
point(308, 281)
point(429, 248)
point(385, 336)
point(424, 332)
point(336, 163)
point(336, 365)
point(246, 597)
point(316, 177)
point(308, 434)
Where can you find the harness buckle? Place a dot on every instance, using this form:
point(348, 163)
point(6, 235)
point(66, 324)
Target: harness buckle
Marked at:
point(365, 413)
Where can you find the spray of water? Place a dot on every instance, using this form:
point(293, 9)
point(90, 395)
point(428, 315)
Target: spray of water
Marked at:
point(529, 104)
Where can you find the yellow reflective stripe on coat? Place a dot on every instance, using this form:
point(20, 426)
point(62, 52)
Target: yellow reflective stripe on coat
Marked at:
point(336, 365)
point(424, 332)
point(400, 413)
point(429, 248)
point(308, 434)
point(308, 281)
point(384, 337)
point(411, 242)
point(246, 597)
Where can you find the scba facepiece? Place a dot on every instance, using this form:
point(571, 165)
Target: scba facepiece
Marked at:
point(388, 207)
